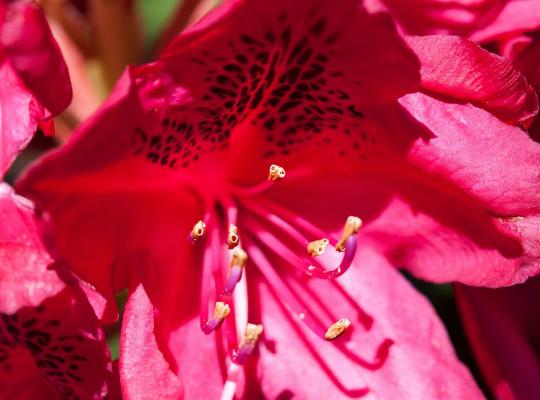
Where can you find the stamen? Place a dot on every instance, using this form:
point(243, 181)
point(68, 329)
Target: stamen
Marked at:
point(337, 329)
point(276, 173)
point(232, 238)
point(317, 247)
point(294, 259)
point(221, 311)
point(197, 233)
point(352, 226)
point(301, 309)
point(248, 343)
point(238, 262)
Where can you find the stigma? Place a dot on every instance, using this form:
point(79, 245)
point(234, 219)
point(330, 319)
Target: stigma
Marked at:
point(352, 226)
point(337, 329)
point(276, 173)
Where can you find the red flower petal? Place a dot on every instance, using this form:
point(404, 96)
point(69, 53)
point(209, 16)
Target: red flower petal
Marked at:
point(25, 279)
point(469, 73)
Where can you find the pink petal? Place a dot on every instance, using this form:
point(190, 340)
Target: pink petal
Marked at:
point(458, 68)
point(421, 362)
point(143, 369)
point(19, 116)
point(32, 52)
point(503, 329)
point(25, 278)
point(516, 17)
point(458, 17)
point(506, 198)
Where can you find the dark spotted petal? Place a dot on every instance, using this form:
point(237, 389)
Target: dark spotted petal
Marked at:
point(59, 346)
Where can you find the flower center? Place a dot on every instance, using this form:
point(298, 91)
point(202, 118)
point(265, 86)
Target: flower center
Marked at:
point(219, 250)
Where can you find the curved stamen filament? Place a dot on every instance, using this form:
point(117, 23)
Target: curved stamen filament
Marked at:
point(272, 277)
point(314, 268)
point(302, 311)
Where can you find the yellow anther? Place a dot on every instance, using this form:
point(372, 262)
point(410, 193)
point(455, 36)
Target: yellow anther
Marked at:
point(252, 334)
point(238, 258)
point(198, 231)
point(337, 329)
point(232, 238)
point(351, 227)
point(276, 173)
point(221, 310)
point(317, 247)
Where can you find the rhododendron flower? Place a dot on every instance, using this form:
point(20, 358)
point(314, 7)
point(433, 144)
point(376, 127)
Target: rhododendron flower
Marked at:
point(50, 343)
point(35, 81)
point(504, 331)
point(215, 182)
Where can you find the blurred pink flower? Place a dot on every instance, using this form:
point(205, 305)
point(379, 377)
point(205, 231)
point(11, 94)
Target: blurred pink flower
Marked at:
point(35, 81)
point(364, 124)
point(504, 330)
point(479, 20)
point(50, 343)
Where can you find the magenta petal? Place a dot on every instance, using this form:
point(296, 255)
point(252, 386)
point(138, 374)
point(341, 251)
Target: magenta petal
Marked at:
point(25, 279)
point(506, 197)
point(20, 115)
point(421, 362)
point(34, 55)
point(458, 68)
point(504, 331)
point(143, 369)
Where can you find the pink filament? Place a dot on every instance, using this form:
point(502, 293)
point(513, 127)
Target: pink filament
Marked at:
point(299, 308)
point(208, 325)
point(313, 268)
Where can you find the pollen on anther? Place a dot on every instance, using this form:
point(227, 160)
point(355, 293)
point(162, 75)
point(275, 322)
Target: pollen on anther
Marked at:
point(352, 226)
point(276, 173)
point(337, 329)
point(198, 231)
point(232, 238)
point(221, 310)
point(251, 335)
point(238, 257)
point(317, 247)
